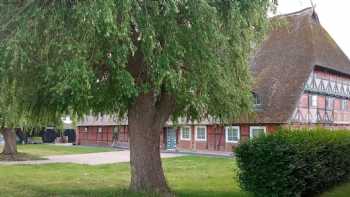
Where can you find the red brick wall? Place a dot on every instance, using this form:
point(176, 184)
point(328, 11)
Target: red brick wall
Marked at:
point(341, 116)
point(201, 145)
point(162, 139)
point(77, 141)
point(321, 101)
point(105, 138)
point(216, 140)
point(123, 137)
point(193, 144)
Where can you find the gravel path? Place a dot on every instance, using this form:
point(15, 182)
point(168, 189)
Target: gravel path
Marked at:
point(89, 159)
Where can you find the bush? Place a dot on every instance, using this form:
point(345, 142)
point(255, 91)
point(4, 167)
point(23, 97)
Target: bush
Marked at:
point(303, 162)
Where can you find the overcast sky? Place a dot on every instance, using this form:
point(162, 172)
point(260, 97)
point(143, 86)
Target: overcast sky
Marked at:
point(334, 16)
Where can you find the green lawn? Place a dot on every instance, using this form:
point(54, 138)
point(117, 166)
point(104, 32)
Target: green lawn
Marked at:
point(50, 149)
point(187, 176)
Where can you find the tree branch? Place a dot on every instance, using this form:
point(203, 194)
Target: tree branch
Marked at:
point(164, 107)
point(136, 61)
point(5, 27)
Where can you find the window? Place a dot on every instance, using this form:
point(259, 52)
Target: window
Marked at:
point(185, 133)
point(85, 129)
point(232, 134)
point(329, 103)
point(257, 131)
point(313, 100)
point(257, 99)
point(344, 104)
point(99, 130)
point(201, 133)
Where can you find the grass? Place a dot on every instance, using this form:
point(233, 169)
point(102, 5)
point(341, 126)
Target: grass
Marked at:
point(187, 176)
point(51, 149)
point(340, 191)
point(37, 151)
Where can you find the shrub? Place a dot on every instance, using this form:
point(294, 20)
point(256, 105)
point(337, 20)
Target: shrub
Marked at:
point(303, 162)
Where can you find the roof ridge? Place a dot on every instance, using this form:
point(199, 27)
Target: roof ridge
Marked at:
point(297, 12)
point(311, 39)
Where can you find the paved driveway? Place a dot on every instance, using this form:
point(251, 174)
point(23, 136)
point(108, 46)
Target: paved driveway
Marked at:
point(89, 159)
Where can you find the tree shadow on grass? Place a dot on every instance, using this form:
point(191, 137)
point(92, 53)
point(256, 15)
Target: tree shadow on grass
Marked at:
point(199, 193)
point(19, 157)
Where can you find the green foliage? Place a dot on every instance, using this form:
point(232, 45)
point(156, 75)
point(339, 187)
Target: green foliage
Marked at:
point(294, 162)
point(99, 55)
point(11, 113)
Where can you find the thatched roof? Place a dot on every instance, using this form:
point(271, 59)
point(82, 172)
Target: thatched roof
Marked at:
point(109, 120)
point(102, 120)
point(285, 60)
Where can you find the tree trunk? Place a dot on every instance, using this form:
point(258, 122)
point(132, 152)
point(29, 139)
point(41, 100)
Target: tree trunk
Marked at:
point(10, 147)
point(145, 125)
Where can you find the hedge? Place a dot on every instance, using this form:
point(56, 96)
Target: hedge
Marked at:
point(303, 162)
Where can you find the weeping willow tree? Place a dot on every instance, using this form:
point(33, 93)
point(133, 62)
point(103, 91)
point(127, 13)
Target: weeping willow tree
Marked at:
point(8, 119)
point(11, 115)
point(144, 59)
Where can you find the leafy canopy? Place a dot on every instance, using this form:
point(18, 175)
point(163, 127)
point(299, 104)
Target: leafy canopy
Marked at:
point(99, 55)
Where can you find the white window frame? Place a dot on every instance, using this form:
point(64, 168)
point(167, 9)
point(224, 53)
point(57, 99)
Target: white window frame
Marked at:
point(314, 100)
point(329, 103)
point(238, 135)
point(189, 136)
point(255, 127)
point(196, 131)
point(344, 105)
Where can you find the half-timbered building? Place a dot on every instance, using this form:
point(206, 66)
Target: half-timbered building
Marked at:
point(301, 79)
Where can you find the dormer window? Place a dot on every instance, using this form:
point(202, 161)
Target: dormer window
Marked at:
point(257, 100)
